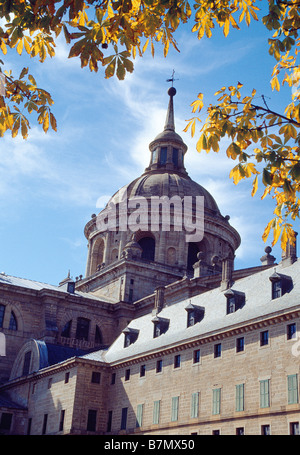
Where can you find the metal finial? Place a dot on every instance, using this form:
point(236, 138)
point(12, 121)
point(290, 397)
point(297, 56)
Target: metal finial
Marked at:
point(172, 79)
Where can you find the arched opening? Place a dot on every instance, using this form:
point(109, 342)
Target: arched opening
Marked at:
point(98, 336)
point(193, 250)
point(148, 246)
point(97, 255)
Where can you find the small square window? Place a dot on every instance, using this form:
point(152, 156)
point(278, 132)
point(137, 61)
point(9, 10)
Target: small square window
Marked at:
point(294, 428)
point(127, 374)
point(265, 430)
point(177, 361)
point(217, 350)
point(96, 377)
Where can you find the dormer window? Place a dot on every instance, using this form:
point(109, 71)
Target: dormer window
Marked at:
point(235, 300)
point(130, 336)
point(281, 284)
point(161, 325)
point(194, 314)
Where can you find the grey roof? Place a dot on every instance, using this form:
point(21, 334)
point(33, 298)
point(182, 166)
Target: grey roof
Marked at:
point(259, 303)
point(51, 354)
point(38, 286)
point(6, 402)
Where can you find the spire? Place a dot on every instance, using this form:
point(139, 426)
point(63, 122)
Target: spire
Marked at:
point(170, 123)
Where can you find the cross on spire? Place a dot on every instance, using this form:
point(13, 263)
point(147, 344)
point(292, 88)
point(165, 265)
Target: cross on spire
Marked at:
point(172, 79)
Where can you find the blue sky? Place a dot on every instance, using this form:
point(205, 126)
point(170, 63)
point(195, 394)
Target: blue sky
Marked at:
point(51, 184)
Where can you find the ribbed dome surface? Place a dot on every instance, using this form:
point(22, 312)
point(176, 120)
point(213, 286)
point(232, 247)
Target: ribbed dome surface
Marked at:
point(166, 184)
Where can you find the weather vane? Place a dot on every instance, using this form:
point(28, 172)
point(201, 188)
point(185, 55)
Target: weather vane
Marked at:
point(172, 79)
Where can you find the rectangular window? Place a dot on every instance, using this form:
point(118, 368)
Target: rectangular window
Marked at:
point(96, 376)
point(294, 428)
point(49, 383)
point(196, 356)
point(177, 361)
point(265, 430)
point(276, 289)
point(127, 374)
point(292, 389)
point(5, 422)
point(240, 431)
point(2, 310)
point(265, 393)
point(264, 338)
point(174, 410)
point(142, 370)
point(139, 415)
point(109, 421)
point(217, 350)
point(195, 405)
point(291, 331)
point(240, 344)
point(175, 157)
point(216, 401)
point(239, 397)
point(82, 329)
point(124, 418)
point(156, 411)
point(113, 378)
point(67, 377)
point(61, 420)
point(92, 419)
point(44, 429)
point(159, 366)
point(29, 426)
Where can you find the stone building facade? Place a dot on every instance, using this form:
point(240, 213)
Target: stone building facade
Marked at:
point(162, 336)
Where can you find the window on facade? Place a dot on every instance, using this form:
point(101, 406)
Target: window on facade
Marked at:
point(124, 418)
point(294, 428)
point(113, 379)
point(142, 370)
point(217, 350)
point(239, 397)
point(92, 420)
point(196, 356)
point(281, 284)
point(44, 429)
point(82, 329)
point(265, 393)
point(156, 412)
point(66, 331)
point(194, 314)
point(159, 366)
point(109, 421)
point(174, 409)
point(235, 300)
point(195, 405)
point(49, 383)
point(240, 431)
point(96, 377)
point(216, 432)
point(240, 344)
point(26, 364)
point(154, 156)
point(29, 426)
point(61, 420)
point(291, 331)
point(139, 415)
point(127, 374)
point(130, 296)
point(265, 430)
point(264, 338)
point(161, 325)
point(163, 155)
point(177, 361)
point(130, 336)
point(5, 422)
point(2, 310)
point(67, 377)
point(13, 322)
point(216, 405)
point(292, 389)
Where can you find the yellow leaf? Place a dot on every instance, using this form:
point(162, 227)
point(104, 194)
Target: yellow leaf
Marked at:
point(254, 186)
point(20, 47)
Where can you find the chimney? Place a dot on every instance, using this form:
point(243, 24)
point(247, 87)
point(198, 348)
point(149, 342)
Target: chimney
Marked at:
point(267, 259)
point(289, 256)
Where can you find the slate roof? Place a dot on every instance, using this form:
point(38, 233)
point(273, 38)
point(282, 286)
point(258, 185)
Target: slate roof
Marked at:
point(259, 303)
point(6, 402)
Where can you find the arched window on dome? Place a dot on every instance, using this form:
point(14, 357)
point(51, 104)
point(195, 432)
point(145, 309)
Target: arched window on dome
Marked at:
point(148, 246)
point(13, 325)
point(193, 250)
